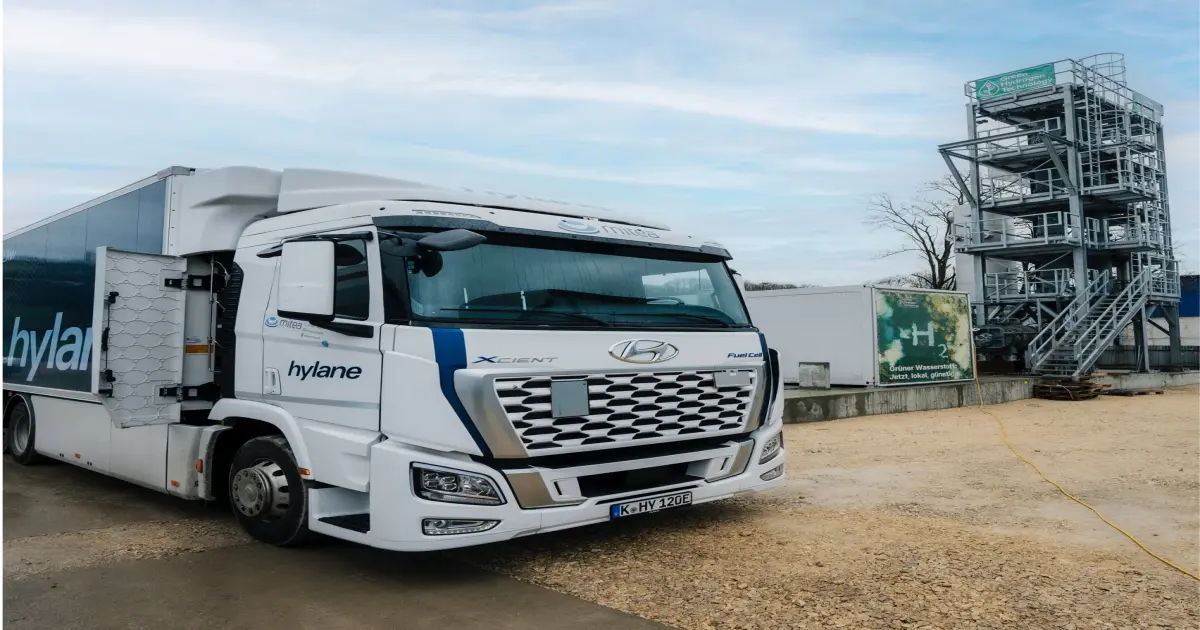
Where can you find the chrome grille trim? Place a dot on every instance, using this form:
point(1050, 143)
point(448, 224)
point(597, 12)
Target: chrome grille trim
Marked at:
point(628, 408)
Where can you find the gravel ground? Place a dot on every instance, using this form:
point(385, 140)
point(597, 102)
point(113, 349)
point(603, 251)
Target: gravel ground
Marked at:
point(920, 520)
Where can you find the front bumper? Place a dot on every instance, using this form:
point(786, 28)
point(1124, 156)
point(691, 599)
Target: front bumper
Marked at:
point(396, 513)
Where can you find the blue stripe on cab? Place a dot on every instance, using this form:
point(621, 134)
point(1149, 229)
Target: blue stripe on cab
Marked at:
point(450, 352)
point(764, 415)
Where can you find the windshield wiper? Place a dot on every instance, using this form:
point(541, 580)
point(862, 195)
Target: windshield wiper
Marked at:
point(693, 316)
point(576, 316)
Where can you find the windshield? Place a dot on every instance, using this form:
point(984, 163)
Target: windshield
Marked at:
point(591, 285)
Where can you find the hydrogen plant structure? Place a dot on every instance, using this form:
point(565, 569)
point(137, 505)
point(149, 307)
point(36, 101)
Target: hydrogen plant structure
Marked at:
point(1067, 225)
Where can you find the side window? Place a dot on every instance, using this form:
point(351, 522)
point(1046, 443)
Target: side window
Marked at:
point(352, 287)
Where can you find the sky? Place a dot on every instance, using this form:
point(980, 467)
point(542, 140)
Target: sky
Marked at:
point(766, 124)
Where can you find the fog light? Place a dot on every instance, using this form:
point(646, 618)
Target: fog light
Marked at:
point(449, 526)
point(772, 474)
point(451, 486)
point(771, 447)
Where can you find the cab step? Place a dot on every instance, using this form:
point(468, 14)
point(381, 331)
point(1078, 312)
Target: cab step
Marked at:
point(360, 523)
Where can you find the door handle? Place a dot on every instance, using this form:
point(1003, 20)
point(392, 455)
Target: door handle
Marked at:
point(271, 381)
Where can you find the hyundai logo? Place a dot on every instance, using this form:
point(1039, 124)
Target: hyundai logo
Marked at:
point(643, 351)
point(578, 227)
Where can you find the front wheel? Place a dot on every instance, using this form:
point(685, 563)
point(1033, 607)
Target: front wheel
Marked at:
point(266, 492)
point(20, 433)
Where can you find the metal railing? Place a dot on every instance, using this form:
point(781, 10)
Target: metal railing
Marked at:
point(1104, 168)
point(1071, 317)
point(1103, 328)
point(1039, 184)
point(1164, 274)
point(1126, 231)
point(1004, 138)
point(1028, 285)
point(1043, 228)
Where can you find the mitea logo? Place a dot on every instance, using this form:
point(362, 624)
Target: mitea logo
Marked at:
point(643, 351)
point(62, 349)
point(514, 360)
point(578, 227)
point(316, 370)
point(744, 355)
point(276, 322)
point(583, 227)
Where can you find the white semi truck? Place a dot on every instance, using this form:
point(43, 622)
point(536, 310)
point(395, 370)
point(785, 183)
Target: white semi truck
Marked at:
point(395, 364)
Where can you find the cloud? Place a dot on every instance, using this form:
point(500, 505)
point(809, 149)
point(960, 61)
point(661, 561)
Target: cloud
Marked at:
point(194, 52)
point(690, 112)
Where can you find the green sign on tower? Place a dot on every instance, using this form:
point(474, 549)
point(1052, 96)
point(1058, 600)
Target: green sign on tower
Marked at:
point(1013, 82)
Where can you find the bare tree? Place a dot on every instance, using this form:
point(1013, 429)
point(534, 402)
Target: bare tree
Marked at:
point(771, 286)
point(900, 281)
point(927, 223)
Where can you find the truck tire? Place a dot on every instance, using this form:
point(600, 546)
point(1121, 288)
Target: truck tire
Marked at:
point(266, 492)
point(19, 434)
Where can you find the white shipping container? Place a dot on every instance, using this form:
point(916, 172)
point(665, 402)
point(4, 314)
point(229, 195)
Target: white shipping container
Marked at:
point(927, 336)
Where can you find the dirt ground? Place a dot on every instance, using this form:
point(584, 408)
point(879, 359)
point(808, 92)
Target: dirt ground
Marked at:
point(920, 520)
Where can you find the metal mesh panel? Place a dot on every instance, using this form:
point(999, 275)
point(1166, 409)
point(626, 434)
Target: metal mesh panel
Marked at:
point(145, 336)
point(627, 407)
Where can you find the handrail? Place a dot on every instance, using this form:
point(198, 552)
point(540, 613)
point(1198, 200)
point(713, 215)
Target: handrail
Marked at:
point(1027, 284)
point(1087, 345)
point(1020, 230)
point(1044, 343)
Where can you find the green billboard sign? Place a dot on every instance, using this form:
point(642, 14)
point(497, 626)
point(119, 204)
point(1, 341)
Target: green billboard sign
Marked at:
point(922, 337)
point(1013, 82)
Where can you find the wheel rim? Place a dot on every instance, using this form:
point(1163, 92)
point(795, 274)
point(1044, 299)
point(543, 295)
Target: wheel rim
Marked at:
point(261, 490)
point(22, 428)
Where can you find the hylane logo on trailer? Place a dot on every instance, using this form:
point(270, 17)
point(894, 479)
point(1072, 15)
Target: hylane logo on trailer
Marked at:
point(578, 227)
point(643, 351)
point(56, 349)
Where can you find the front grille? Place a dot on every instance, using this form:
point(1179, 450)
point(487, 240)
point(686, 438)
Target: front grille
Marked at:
point(627, 407)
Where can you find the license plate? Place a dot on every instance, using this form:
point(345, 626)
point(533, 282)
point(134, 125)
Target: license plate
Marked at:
point(619, 510)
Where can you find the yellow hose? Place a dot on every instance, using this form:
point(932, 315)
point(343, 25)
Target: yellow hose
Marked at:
point(1004, 436)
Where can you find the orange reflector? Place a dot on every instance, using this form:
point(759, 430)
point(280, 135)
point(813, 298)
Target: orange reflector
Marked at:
point(174, 484)
point(197, 348)
point(305, 471)
point(199, 465)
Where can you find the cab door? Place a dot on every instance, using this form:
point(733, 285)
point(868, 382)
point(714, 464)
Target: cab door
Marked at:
point(330, 371)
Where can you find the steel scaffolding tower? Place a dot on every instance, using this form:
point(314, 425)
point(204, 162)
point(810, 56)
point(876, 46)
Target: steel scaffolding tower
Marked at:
point(1068, 228)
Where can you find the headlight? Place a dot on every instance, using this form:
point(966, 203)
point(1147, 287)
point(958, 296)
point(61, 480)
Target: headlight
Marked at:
point(451, 486)
point(771, 448)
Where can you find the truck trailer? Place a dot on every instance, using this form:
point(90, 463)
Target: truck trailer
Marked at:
point(401, 365)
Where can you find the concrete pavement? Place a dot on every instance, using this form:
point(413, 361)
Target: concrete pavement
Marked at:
point(85, 551)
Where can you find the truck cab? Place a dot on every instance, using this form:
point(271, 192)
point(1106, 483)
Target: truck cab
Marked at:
point(417, 368)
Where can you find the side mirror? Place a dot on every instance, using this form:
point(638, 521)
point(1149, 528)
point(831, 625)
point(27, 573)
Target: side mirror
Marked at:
point(451, 240)
point(306, 279)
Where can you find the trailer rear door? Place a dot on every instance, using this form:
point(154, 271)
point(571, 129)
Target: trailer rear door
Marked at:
point(138, 311)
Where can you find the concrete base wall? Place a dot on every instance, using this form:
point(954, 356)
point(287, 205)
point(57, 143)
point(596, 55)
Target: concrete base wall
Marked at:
point(1145, 381)
point(815, 407)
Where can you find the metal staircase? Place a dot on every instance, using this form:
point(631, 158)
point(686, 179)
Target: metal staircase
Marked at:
point(1070, 345)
